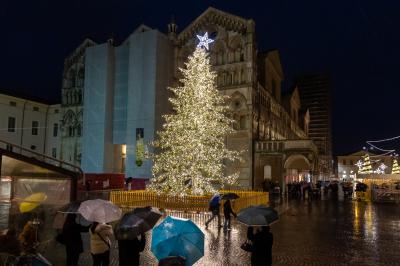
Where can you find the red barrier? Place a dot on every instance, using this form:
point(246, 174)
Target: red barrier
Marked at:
point(102, 181)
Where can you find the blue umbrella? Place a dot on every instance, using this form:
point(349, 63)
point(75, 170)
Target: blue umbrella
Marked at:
point(178, 237)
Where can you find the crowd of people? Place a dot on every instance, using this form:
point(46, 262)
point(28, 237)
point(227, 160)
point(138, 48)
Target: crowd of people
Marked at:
point(101, 235)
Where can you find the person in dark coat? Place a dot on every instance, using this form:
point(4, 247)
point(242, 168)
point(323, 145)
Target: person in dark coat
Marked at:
point(262, 246)
point(71, 234)
point(9, 243)
point(129, 251)
point(214, 208)
point(227, 215)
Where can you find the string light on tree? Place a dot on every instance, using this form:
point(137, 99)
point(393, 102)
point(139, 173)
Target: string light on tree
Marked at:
point(395, 167)
point(366, 167)
point(192, 141)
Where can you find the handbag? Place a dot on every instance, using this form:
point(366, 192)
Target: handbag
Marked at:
point(247, 246)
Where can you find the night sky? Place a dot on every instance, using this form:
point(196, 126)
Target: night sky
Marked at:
point(356, 42)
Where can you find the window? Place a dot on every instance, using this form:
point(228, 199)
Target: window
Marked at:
point(13, 103)
point(35, 128)
point(56, 111)
point(11, 124)
point(36, 109)
point(55, 130)
point(351, 162)
point(243, 122)
point(33, 147)
point(344, 162)
point(70, 131)
point(54, 152)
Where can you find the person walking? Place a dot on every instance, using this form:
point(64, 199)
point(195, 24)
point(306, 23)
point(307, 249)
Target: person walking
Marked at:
point(227, 215)
point(71, 236)
point(129, 251)
point(262, 240)
point(100, 243)
point(214, 208)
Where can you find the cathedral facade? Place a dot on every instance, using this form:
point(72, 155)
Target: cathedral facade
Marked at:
point(118, 105)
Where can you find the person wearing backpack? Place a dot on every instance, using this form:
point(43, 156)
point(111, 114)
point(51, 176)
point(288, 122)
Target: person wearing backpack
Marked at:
point(213, 206)
point(100, 243)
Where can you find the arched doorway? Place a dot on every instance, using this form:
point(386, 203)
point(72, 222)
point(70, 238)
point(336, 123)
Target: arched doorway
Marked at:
point(297, 168)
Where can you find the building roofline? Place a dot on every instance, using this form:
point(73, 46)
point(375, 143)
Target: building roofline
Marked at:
point(26, 96)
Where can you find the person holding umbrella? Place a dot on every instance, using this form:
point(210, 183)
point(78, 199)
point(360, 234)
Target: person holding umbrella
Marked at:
point(130, 232)
point(71, 238)
point(213, 206)
point(129, 250)
point(262, 240)
point(100, 243)
point(261, 248)
point(227, 215)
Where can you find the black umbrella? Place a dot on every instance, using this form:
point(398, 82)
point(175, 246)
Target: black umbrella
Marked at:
point(230, 196)
point(137, 222)
point(257, 215)
point(71, 207)
point(172, 261)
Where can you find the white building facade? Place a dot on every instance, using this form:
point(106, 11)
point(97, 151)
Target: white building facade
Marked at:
point(30, 124)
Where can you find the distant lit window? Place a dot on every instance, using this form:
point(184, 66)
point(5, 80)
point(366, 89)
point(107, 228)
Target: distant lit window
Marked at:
point(11, 124)
point(35, 128)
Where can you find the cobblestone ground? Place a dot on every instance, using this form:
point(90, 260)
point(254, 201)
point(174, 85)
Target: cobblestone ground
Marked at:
point(323, 232)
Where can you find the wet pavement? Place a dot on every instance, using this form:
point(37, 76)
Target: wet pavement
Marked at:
point(320, 232)
point(328, 232)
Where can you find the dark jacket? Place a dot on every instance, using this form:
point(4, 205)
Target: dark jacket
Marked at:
point(262, 247)
point(129, 251)
point(71, 235)
point(10, 244)
point(228, 209)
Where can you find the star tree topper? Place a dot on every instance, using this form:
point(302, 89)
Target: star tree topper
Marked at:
point(204, 41)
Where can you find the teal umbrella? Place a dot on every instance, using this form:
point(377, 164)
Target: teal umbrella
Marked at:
point(178, 237)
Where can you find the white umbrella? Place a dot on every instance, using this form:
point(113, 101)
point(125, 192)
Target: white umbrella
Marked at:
point(101, 211)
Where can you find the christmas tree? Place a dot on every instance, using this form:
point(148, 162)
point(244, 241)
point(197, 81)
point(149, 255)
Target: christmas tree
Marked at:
point(366, 168)
point(395, 167)
point(191, 144)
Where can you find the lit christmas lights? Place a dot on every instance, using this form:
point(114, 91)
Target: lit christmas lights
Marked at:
point(204, 41)
point(366, 167)
point(192, 143)
point(395, 167)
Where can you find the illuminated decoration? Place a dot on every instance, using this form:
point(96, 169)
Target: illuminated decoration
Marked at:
point(386, 151)
point(395, 167)
point(204, 41)
point(192, 142)
point(366, 167)
point(381, 169)
point(359, 164)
